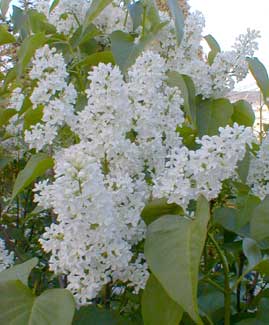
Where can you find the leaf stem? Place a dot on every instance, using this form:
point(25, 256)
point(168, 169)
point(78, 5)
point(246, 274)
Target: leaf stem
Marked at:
point(144, 21)
point(227, 293)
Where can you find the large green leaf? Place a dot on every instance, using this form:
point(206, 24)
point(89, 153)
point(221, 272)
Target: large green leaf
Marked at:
point(178, 17)
point(243, 113)
point(19, 19)
point(173, 250)
point(185, 84)
point(27, 50)
point(212, 114)
point(96, 58)
point(18, 305)
point(5, 36)
point(158, 307)
point(260, 74)
point(19, 272)
point(35, 167)
point(157, 208)
point(235, 219)
point(211, 301)
point(252, 252)
point(92, 315)
point(214, 47)
point(126, 51)
point(38, 23)
point(5, 115)
point(259, 223)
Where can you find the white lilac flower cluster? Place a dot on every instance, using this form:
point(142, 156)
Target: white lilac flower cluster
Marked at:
point(68, 15)
point(215, 80)
point(53, 94)
point(6, 258)
point(258, 177)
point(128, 135)
point(15, 126)
point(189, 174)
point(100, 186)
point(13, 143)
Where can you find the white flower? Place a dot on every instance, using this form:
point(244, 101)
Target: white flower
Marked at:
point(53, 93)
point(258, 177)
point(16, 99)
point(192, 173)
point(6, 258)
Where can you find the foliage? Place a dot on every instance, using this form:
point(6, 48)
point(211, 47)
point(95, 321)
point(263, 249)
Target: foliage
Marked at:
point(131, 187)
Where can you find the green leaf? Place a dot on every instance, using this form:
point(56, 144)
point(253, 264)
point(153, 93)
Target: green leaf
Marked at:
point(95, 59)
point(27, 50)
point(32, 116)
point(185, 84)
point(261, 316)
point(97, 6)
point(125, 51)
point(38, 23)
point(236, 219)
point(53, 5)
point(263, 267)
point(152, 14)
point(5, 115)
point(252, 252)
point(5, 36)
point(18, 305)
point(227, 218)
point(83, 36)
point(4, 7)
point(157, 208)
point(158, 307)
point(178, 17)
point(243, 166)
point(35, 167)
point(19, 272)
point(173, 249)
point(246, 204)
point(92, 315)
point(260, 74)
point(212, 114)
point(214, 46)
point(4, 161)
point(10, 76)
point(243, 113)
point(136, 10)
point(20, 22)
point(259, 223)
point(211, 301)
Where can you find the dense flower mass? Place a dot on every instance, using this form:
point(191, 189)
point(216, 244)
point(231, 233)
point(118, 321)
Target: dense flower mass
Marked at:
point(128, 148)
point(52, 94)
point(128, 136)
point(258, 177)
point(211, 80)
point(6, 258)
point(192, 173)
